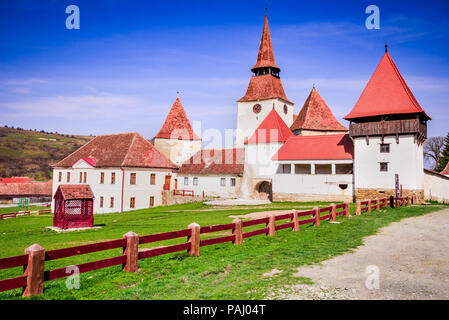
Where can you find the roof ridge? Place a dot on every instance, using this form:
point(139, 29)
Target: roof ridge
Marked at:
point(83, 146)
point(404, 84)
point(129, 148)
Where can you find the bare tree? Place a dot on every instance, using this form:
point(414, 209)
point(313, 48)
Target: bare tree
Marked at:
point(432, 150)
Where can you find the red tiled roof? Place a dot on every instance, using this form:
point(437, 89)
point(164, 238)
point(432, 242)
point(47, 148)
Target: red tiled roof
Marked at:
point(19, 189)
point(264, 87)
point(272, 129)
point(265, 56)
point(221, 161)
point(92, 161)
point(177, 125)
point(75, 191)
point(316, 115)
point(119, 150)
point(16, 180)
point(319, 147)
point(446, 170)
point(386, 93)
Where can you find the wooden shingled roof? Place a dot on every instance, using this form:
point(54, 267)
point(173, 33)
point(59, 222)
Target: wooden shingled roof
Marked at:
point(177, 125)
point(386, 93)
point(215, 161)
point(316, 115)
point(75, 191)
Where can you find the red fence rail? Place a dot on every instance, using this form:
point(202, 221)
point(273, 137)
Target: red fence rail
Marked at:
point(33, 260)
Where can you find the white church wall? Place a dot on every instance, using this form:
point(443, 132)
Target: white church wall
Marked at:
point(294, 185)
point(405, 159)
point(436, 187)
point(178, 151)
point(258, 159)
point(248, 121)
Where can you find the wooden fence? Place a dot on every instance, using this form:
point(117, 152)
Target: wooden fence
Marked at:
point(33, 261)
point(23, 213)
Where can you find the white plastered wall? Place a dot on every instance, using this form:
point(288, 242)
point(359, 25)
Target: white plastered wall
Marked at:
point(211, 185)
point(405, 159)
point(248, 121)
point(436, 187)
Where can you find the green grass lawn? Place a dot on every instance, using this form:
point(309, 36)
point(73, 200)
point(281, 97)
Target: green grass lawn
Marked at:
point(17, 209)
point(222, 271)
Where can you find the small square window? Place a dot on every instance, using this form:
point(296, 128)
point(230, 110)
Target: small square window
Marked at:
point(60, 177)
point(113, 178)
point(232, 182)
point(384, 166)
point(68, 176)
point(195, 181)
point(112, 202)
point(153, 178)
point(101, 177)
point(151, 201)
point(186, 181)
point(101, 202)
point(385, 148)
point(223, 182)
point(132, 202)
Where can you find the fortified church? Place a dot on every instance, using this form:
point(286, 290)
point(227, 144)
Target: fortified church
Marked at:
point(278, 155)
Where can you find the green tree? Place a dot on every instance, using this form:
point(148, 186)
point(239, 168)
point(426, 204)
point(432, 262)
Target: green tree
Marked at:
point(444, 158)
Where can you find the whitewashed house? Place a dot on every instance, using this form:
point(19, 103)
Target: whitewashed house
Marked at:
point(124, 171)
point(214, 173)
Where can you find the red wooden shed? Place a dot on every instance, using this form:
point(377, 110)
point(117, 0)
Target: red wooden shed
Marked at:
point(74, 206)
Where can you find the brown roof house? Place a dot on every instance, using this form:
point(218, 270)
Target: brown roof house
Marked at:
point(35, 191)
point(216, 172)
point(124, 171)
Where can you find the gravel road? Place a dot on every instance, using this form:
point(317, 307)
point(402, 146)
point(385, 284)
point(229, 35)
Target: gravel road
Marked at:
point(411, 258)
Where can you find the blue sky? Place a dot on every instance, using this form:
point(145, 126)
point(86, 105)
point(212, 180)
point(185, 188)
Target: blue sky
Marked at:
point(121, 70)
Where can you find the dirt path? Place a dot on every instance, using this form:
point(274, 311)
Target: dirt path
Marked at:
point(412, 257)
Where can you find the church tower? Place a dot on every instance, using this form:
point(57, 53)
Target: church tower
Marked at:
point(388, 127)
point(176, 140)
point(264, 93)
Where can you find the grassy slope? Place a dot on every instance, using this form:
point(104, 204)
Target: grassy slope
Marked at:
point(23, 153)
point(221, 272)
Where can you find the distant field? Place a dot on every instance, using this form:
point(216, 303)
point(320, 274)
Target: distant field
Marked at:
point(30, 153)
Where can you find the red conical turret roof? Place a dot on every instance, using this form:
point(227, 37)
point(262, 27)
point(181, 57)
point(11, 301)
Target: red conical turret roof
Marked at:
point(265, 57)
point(316, 115)
point(272, 129)
point(177, 125)
point(386, 93)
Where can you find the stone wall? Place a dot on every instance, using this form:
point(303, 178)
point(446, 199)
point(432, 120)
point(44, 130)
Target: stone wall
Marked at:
point(169, 199)
point(295, 197)
point(365, 194)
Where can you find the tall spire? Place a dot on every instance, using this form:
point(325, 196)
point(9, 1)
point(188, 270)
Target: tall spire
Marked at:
point(265, 56)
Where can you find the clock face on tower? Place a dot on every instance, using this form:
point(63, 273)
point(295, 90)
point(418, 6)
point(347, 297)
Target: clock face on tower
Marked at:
point(257, 108)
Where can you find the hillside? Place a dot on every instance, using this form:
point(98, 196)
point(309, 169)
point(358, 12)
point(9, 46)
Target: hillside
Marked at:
point(30, 153)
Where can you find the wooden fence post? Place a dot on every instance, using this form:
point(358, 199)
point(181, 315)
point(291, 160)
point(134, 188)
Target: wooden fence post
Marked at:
point(316, 216)
point(369, 205)
point(194, 239)
point(414, 199)
point(377, 204)
point(34, 270)
point(131, 251)
point(333, 212)
point(295, 221)
point(237, 231)
point(358, 208)
point(347, 213)
point(271, 225)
